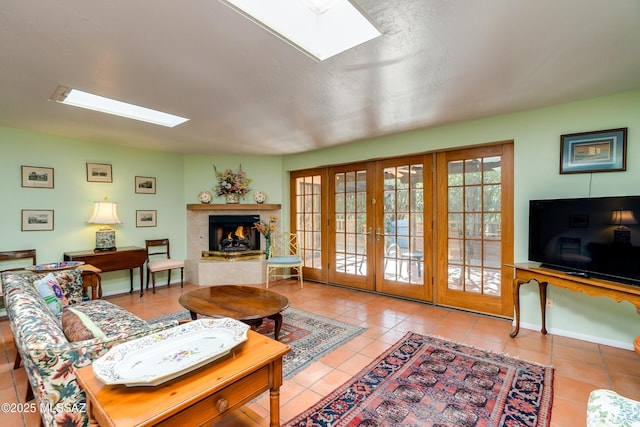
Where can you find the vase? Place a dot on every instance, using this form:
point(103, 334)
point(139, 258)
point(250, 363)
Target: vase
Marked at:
point(232, 198)
point(267, 247)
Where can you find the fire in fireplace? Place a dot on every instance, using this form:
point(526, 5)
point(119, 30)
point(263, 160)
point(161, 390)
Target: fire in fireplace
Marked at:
point(233, 233)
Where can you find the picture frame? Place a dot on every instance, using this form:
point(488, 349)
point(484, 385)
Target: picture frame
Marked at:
point(145, 185)
point(37, 177)
point(598, 151)
point(99, 172)
point(146, 218)
point(37, 220)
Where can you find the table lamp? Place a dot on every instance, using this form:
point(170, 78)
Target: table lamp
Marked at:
point(621, 218)
point(105, 213)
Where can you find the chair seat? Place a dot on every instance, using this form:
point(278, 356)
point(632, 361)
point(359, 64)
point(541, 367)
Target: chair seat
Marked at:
point(284, 260)
point(165, 264)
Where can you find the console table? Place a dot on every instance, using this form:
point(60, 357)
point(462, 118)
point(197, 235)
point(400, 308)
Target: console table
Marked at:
point(201, 397)
point(125, 258)
point(526, 272)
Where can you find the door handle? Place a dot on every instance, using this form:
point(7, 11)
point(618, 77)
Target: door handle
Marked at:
point(378, 234)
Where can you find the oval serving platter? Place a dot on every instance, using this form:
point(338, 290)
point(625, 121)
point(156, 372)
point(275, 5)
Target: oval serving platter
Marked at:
point(163, 356)
point(54, 266)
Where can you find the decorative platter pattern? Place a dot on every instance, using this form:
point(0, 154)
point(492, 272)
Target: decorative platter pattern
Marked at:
point(54, 266)
point(163, 356)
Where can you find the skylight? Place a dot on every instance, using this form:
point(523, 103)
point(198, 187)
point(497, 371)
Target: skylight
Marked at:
point(320, 28)
point(90, 101)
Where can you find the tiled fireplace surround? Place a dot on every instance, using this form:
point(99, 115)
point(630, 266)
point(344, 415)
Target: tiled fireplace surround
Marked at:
point(219, 272)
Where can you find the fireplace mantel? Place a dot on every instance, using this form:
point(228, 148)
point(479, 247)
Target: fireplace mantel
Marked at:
point(254, 207)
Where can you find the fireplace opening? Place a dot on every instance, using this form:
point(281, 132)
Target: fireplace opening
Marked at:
point(233, 233)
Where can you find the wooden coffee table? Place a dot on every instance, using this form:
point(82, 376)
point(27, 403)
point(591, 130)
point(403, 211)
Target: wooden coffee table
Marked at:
point(245, 303)
point(200, 397)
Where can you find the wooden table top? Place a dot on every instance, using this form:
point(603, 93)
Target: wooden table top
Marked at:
point(120, 405)
point(235, 301)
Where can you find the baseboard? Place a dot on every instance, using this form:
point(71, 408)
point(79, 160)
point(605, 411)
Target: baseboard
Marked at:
point(583, 337)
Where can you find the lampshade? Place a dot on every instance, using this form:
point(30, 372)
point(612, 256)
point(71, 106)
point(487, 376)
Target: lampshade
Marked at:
point(623, 217)
point(104, 213)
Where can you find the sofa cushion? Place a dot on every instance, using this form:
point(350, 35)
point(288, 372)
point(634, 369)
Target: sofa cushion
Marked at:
point(50, 290)
point(111, 319)
point(77, 326)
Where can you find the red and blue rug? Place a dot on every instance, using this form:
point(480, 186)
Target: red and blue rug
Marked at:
point(428, 381)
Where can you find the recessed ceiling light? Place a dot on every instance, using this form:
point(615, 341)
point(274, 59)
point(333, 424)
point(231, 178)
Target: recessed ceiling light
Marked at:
point(90, 101)
point(319, 28)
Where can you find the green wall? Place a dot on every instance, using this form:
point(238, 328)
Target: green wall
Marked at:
point(536, 135)
point(180, 177)
point(72, 197)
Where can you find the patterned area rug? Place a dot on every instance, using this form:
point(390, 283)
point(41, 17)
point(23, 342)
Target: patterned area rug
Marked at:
point(309, 335)
point(428, 381)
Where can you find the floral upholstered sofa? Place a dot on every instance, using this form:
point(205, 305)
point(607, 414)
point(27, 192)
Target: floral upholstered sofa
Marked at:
point(55, 332)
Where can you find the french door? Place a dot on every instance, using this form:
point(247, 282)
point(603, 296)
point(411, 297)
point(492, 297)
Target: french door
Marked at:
point(377, 225)
point(475, 228)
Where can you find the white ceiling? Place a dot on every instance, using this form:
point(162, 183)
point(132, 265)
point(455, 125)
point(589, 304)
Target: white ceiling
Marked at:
point(247, 92)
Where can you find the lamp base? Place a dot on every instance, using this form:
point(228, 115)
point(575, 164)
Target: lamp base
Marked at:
point(105, 239)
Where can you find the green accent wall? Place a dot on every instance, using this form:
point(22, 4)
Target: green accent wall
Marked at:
point(536, 135)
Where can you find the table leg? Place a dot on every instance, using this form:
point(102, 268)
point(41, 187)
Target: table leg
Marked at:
point(542, 289)
point(131, 280)
point(141, 281)
point(515, 288)
point(92, 420)
point(194, 315)
point(274, 393)
point(277, 318)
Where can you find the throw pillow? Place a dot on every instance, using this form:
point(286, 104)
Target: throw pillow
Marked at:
point(77, 326)
point(51, 291)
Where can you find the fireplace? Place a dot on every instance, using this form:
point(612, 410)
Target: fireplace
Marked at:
point(233, 233)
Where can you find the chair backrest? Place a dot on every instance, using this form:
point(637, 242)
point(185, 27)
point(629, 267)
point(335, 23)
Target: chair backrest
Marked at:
point(157, 247)
point(10, 256)
point(284, 244)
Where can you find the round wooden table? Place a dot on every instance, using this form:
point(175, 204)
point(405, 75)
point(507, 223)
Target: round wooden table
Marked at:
point(245, 303)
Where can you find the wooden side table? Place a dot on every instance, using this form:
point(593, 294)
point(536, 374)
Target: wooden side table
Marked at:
point(525, 272)
point(91, 279)
point(125, 258)
point(200, 397)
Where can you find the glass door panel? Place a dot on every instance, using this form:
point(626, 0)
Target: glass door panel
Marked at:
point(474, 185)
point(350, 227)
point(306, 190)
point(403, 222)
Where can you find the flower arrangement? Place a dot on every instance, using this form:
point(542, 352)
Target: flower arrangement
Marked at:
point(266, 228)
point(230, 182)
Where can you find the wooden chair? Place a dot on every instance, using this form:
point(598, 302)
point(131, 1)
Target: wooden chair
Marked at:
point(10, 257)
point(156, 247)
point(284, 254)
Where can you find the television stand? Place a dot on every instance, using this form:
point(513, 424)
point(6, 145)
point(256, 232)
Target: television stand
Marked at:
point(526, 272)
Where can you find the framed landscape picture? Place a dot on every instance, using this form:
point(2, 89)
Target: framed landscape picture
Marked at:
point(599, 151)
point(145, 185)
point(146, 218)
point(99, 172)
point(37, 177)
point(37, 220)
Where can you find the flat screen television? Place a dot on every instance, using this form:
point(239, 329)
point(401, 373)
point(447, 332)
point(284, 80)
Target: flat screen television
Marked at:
point(590, 237)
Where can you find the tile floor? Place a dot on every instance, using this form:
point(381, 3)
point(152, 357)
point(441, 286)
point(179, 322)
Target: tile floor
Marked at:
point(580, 366)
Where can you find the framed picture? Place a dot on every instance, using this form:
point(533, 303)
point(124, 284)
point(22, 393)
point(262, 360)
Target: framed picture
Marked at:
point(37, 177)
point(99, 172)
point(600, 151)
point(37, 220)
point(146, 218)
point(145, 185)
